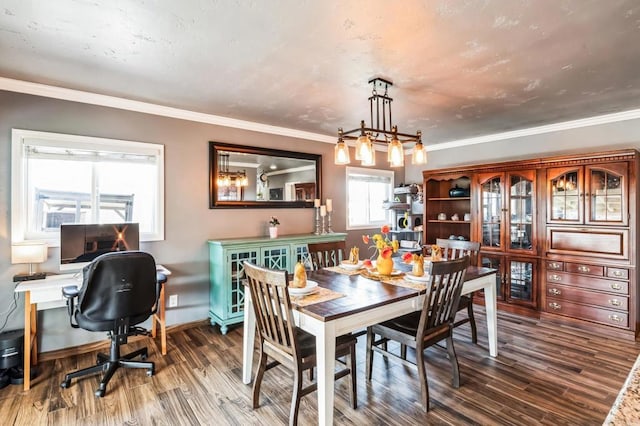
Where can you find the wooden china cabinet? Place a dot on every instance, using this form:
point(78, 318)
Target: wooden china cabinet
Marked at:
point(561, 231)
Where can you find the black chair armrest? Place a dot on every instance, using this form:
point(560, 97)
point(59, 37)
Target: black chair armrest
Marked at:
point(70, 292)
point(161, 279)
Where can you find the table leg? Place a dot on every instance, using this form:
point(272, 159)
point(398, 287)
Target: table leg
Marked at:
point(326, 358)
point(248, 337)
point(30, 347)
point(492, 317)
point(159, 318)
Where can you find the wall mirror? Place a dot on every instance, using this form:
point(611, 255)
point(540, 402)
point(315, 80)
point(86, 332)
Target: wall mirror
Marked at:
point(251, 177)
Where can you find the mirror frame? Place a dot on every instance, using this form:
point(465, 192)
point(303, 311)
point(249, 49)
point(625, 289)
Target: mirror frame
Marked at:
point(214, 203)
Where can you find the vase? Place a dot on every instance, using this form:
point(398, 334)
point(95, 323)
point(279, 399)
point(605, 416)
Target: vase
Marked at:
point(384, 266)
point(273, 232)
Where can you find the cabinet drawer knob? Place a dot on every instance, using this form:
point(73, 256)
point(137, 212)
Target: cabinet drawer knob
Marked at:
point(554, 291)
point(616, 286)
point(614, 302)
point(615, 318)
point(554, 265)
point(555, 277)
point(584, 269)
point(555, 306)
point(617, 273)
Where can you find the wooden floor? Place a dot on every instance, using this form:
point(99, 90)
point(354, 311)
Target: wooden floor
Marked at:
point(544, 374)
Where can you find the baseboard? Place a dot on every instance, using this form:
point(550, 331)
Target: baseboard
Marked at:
point(104, 344)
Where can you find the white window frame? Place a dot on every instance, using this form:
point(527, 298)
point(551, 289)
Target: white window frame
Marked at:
point(371, 172)
point(20, 139)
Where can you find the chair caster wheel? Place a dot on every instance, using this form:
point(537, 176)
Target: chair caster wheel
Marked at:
point(99, 393)
point(150, 373)
point(143, 357)
point(65, 384)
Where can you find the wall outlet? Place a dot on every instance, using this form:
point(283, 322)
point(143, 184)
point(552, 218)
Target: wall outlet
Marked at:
point(173, 300)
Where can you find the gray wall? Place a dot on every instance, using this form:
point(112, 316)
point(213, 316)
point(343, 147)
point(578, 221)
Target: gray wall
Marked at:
point(189, 223)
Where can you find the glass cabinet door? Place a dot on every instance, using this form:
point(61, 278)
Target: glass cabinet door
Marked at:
point(521, 211)
point(565, 189)
point(606, 192)
point(495, 262)
point(491, 214)
point(520, 282)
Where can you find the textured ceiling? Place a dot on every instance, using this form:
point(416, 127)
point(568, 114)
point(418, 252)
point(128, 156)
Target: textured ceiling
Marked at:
point(460, 68)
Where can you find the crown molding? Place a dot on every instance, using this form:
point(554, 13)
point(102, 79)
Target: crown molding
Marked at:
point(633, 114)
point(44, 90)
point(54, 92)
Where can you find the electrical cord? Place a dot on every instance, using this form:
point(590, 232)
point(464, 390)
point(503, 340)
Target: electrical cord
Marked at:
point(10, 309)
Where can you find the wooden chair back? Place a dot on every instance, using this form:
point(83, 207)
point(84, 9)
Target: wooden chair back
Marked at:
point(443, 295)
point(272, 307)
point(327, 254)
point(454, 249)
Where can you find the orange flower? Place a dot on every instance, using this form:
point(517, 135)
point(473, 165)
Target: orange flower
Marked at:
point(407, 257)
point(367, 263)
point(385, 229)
point(365, 239)
point(386, 252)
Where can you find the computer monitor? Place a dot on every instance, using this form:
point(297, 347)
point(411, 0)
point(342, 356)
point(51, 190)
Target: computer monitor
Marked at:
point(81, 243)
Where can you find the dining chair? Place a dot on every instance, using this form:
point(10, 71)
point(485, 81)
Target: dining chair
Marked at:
point(327, 254)
point(454, 249)
point(424, 328)
point(281, 340)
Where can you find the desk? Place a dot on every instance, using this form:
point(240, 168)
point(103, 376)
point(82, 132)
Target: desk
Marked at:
point(47, 294)
point(366, 303)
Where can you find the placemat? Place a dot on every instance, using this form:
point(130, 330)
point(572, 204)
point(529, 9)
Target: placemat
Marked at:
point(320, 295)
point(401, 282)
point(342, 270)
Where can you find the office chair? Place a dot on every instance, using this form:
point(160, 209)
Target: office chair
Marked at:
point(119, 290)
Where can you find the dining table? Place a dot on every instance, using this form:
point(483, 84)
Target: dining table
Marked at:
point(348, 301)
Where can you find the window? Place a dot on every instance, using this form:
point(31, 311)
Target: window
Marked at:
point(367, 189)
point(60, 178)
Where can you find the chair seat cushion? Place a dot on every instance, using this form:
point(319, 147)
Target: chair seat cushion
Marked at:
point(406, 323)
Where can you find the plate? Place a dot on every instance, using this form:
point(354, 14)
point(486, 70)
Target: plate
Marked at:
point(347, 265)
point(310, 288)
point(422, 279)
point(394, 273)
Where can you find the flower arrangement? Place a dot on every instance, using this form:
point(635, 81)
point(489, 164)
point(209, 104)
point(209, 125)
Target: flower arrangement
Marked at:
point(274, 221)
point(384, 247)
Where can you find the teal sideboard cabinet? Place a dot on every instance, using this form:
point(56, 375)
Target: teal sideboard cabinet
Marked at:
point(226, 271)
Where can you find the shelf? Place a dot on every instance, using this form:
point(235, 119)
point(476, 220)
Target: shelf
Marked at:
point(396, 206)
point(448, 198)
point(448, 221)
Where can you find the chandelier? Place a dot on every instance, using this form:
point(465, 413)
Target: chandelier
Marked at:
point(227, 178)
point(381, 130)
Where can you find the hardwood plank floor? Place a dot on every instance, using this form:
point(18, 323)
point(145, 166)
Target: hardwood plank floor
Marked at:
point(545, 374)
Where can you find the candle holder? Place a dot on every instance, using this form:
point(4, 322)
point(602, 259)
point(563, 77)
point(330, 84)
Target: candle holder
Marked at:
point(329, 230)
point(324, 225)
point(317, 229)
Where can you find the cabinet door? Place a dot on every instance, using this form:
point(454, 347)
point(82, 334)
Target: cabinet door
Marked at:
point(520, 229)
point(235, 263)
point(565, 191)
point(521, 281)
point(606, 192)
point(276, 257)
point(495, 262)
point(492, 210)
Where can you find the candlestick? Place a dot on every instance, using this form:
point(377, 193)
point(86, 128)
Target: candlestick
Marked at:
point(324, 225)
point(323, 211)
point(317, 230)
point(329, 230)
point(329, 203)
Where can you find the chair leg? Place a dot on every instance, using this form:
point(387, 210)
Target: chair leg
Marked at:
point(422, 376)
point(352, 370)
point(369, 358)
point(472, 322)
point(454, 362)
point(262, 366)
point(297, 394)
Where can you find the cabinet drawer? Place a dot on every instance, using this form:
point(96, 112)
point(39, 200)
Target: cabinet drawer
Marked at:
point(580, 268)
point(554, 265)
point(620, 273)
point(591, 313)
point(606, 300)
point(592, 283)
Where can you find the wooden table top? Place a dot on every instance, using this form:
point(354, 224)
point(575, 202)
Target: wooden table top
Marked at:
point(362, 294)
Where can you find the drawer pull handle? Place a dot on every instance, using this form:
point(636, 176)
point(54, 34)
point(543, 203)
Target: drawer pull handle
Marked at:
point(554, 265)
point(616, 318)
point(554, 291)
point(584, 269)
point(614, 302)
point(556, 306)
point(617, 273)
point(616, 286)
point(555, 277)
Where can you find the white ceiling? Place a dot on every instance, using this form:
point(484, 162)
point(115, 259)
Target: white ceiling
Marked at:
point(461, 68)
